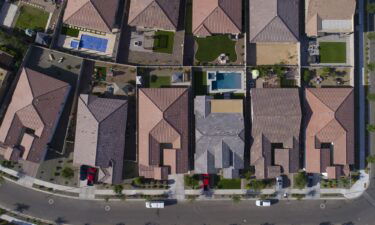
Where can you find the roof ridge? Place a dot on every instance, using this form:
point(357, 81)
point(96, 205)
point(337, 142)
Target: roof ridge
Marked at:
point(264, 28)
point(322, 101)
point(166, 14)
point(101, 16)
point(341, 105)
point(230, 19)
point(118, 108)
point(153, 102)
point(281, 18)
point(77, 10)
point(202, 24)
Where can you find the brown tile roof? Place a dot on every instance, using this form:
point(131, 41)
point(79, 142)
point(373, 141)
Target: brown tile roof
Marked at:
point(336, 10)
point(33, 114)
point(100, 134)
point(98, 15)
point(217, 17)
point(163, 115)
point(276, 120)
point(330, 121)
point(159, 14)
point(274, 20)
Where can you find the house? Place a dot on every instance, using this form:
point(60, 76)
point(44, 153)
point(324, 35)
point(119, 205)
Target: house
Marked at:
point(329, 131)
point(329, 16)
point(217, 17)
point(274, 31)
point(163, 132)
point(91, 27)
point(31, 118)
point(276, 122)
point(100, 136)
point(94, 15)
point(154, 14)
point(219, 131)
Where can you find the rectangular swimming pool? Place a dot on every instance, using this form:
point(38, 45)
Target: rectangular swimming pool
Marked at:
point(227, 80)
point(93, 43)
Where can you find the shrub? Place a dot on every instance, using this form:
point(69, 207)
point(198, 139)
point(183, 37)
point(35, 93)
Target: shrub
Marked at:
point(371, 36)
point(191, 181)
point(371, 97)
point(306, 76)
point(370, 7)
point(236, 198)
point(370, 159)
point(370, 127)
point(138, 181)
point(118, 189)
point(256, 185)
point(300, 180)
point(67, 173)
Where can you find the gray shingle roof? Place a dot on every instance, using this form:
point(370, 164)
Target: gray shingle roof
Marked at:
point(274, 20)
point(219, 144)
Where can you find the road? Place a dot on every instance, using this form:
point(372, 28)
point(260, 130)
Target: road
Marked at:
point(72, 211)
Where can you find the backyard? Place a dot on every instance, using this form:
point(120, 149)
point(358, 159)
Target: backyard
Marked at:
point(163, 42)
point(70, 31)
point(159, 81)
point(32, 18)
point(332, 52)
point(329, 77)
point(211, 47)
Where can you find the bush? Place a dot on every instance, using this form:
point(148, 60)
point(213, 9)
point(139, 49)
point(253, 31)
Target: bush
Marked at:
point(248, 174)
point(236, 198)
point(7, 164)
point(370, 7)
point(138, 181)
point(371, 97)
point(256, 185)
point(192, 181)
point(371, 36)
point(67, 173)
point(371, 67)
point(370, 159)
point(370, 127)
point(306, 76)
point(118, 189)
point(300, 180)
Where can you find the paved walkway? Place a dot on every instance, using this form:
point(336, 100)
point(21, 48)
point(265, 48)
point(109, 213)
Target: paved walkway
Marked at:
point(177, 188)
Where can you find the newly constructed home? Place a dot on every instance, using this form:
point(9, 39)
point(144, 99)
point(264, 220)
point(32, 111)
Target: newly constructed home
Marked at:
point(91, 26)
point(329, 16)
point(163, 132)
point(154, 14)
point(274, 31)
point(330, 131)
point(100, 136)
point(217, 17)
point(31, 118)
point(219, 131)
point(276, 122)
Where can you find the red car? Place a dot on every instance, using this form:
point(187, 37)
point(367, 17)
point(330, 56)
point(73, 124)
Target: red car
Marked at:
point(206, 182)
point(91, 174)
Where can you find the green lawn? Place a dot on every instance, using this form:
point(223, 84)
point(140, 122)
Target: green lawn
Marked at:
point(70, 31)
point(159, 81)
point(200, 82)
point(332, 52)
point(211, 47)
point(163, 42)
point(229, 184)
point(32, 18)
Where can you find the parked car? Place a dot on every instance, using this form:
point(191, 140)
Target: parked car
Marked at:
point(206, 182)
point(263, 203)
point(155, 204)
point(83, 172)
point(279, 182)
point(91, 174)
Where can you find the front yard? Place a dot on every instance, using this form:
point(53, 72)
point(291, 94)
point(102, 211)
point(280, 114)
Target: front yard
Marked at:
point(163, 42)
point(211, 47)
point(222, 183)
point(332, 52)
point(32, 18)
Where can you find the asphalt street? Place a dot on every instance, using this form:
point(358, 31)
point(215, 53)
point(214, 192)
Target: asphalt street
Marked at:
point(71, 211)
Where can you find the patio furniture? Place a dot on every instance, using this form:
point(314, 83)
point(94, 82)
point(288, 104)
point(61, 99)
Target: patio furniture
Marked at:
point(223, 58)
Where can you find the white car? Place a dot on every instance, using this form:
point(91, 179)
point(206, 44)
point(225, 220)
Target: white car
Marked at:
point(263, 203)
point(155, 205)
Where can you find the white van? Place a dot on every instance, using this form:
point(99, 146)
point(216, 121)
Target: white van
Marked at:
point(155, 204)
point(263, 203)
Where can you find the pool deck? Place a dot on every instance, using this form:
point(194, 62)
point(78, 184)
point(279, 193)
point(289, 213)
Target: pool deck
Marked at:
point(241, 90)
point(64, 41)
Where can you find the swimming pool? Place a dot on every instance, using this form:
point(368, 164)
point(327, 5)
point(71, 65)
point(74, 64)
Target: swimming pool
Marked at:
point(90, 42)
point(227, 80)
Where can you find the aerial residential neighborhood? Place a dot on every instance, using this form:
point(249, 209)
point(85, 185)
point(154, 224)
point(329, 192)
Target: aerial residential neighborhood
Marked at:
point(223, 112)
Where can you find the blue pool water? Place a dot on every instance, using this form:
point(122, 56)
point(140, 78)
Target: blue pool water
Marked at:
point(91, 42)
point(228, 80)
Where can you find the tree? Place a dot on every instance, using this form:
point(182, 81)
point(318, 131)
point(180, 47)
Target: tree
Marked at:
point(138, 181)
point(371, 66)
point(370, 127)
point(370, 159)
point(300, 180)
point(256, 185)
point(118, 189)
point(370, 7)
point(371, 36)
point(67, 173)
point(371, 97)
point(191, 181)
